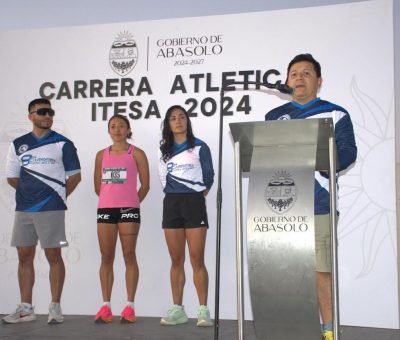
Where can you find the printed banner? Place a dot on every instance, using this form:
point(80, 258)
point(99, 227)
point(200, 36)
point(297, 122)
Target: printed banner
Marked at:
point(139, 69)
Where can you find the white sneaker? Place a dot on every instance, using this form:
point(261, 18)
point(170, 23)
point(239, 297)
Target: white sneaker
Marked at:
point(55, 314)
point(21, 314)
point(203, 317)
point(175, 316)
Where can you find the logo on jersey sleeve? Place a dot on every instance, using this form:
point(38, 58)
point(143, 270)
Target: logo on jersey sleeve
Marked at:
point(22, 148)
point(284, 117)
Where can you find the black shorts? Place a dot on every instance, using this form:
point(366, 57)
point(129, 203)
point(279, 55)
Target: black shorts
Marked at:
point(184, 210)
point(118, 215)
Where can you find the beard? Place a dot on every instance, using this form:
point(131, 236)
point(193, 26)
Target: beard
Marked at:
point(44, 125)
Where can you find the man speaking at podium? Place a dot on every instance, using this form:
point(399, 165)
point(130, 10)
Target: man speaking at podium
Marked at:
point(304, 77)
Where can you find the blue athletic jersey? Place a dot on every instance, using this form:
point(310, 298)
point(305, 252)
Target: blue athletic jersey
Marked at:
point(344, 134)
point(42, 166)
point(188, 169)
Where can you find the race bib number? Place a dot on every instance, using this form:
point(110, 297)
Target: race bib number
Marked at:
point(114, 175)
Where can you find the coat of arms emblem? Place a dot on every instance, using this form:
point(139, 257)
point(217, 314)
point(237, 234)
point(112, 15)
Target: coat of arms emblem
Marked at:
point(281, 193)
point(123, 53)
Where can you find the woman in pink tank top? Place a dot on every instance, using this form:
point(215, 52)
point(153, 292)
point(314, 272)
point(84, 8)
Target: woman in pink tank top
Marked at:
point(118, 212)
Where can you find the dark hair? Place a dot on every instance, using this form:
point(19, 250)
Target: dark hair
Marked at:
point(126, 120)
point(305, 57)
point(38, 101)
point(167, 141)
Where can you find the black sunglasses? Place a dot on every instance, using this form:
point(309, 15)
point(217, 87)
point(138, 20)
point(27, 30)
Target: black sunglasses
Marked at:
point(45, 110)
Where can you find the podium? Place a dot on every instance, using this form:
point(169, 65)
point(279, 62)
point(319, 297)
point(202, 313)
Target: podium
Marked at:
point(282, 157)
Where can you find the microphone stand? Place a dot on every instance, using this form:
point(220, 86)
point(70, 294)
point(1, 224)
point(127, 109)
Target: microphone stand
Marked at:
point(278, 86)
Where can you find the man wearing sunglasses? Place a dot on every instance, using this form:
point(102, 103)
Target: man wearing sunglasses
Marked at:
point(44, 168)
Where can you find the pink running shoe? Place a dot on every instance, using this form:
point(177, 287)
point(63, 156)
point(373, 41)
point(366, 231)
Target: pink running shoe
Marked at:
point(104, 315)
point(128, 315)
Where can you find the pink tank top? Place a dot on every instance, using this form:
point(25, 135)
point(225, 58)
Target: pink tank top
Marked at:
point(119, 180)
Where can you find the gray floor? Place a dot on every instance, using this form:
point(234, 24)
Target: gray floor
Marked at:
point(83, 327)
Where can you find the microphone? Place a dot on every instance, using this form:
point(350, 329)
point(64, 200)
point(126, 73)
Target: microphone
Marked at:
point(283, 88)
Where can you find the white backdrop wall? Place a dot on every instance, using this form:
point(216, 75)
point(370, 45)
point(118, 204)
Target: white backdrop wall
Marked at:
point(171, 71)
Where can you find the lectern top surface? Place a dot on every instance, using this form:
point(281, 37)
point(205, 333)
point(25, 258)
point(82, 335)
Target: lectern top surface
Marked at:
point(290, 133)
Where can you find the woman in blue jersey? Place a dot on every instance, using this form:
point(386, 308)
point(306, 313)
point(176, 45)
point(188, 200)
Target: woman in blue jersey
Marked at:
point(187, 174)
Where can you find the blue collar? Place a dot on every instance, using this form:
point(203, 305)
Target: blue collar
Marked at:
point(304, 106)
point(43, 138)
